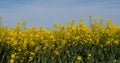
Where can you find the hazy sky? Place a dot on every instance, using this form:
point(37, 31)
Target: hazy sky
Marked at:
point(46, 12)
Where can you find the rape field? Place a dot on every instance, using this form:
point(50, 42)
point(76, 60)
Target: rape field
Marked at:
point(70, 43)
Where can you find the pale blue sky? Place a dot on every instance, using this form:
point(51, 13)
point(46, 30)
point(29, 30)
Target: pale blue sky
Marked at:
point(46, 12)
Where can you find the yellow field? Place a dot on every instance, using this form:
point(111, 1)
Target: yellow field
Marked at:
point(70, 43)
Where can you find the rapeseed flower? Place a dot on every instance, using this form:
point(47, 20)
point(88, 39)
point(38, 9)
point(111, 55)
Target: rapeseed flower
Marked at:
point(79, 58)
point(11, 60)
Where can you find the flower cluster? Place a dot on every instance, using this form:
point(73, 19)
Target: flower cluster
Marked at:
point(73, 43)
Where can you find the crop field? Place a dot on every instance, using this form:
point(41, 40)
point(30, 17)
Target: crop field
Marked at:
point(98, 42)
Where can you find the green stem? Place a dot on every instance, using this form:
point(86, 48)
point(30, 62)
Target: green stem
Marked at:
point(2, 58)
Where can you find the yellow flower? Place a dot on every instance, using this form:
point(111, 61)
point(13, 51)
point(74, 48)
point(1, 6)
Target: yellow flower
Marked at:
point(32, 43)
point(81, 19)
point(31, 35)
point(108, 42)
point(30, 59)
point(37, 48)
point(11, 60)
point(24, 22)
point(55, 24)
point(77, 38)
point(108, 22)
point(37, 36)
point(18, 25)
point(51, 37)
point(89, 54)
point(32, 54)
point(72, 21)
point(13, 55)
point(56, 52)
point(52, 58)
point(63, 42)
point(96, 18)
point(116, 42)
point(79, 58)
point(101, 46)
